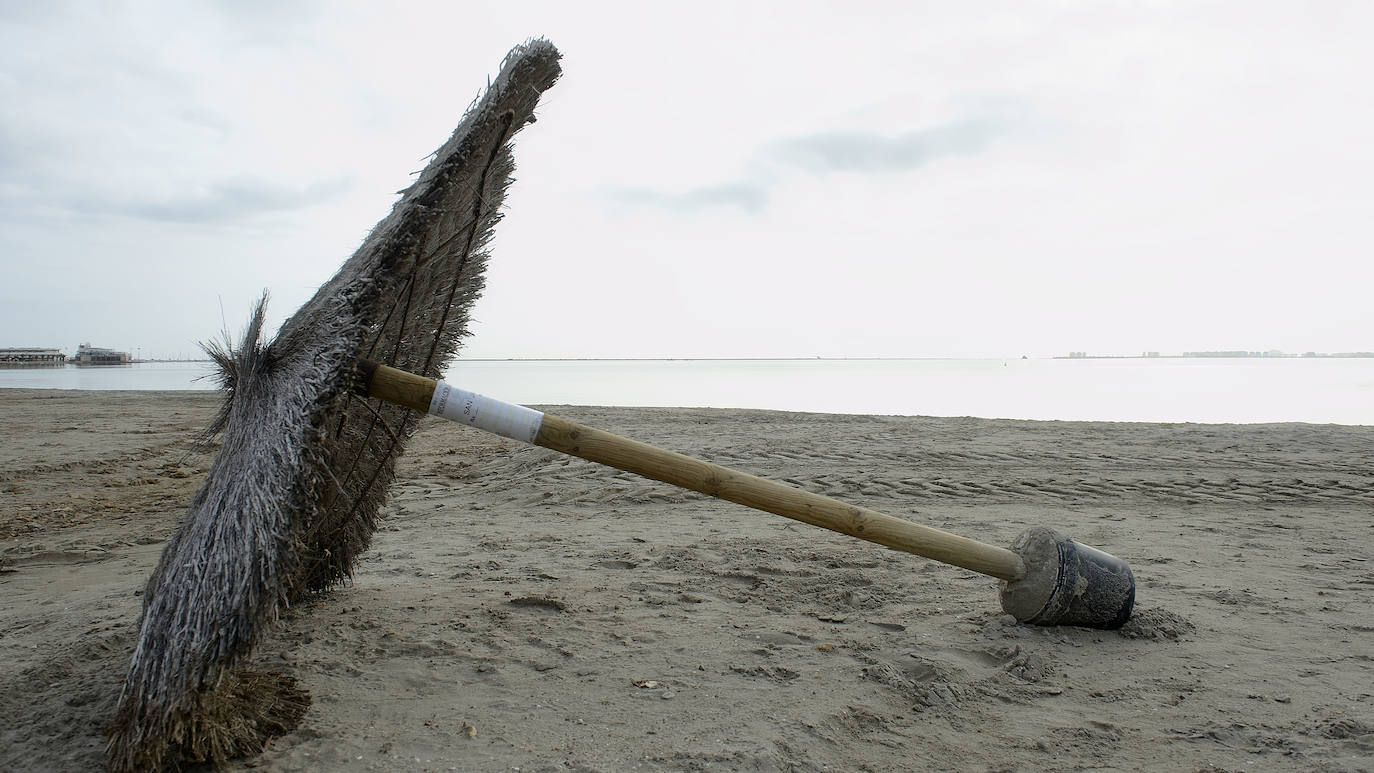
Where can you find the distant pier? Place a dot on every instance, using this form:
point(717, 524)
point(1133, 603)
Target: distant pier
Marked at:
point(31, 357)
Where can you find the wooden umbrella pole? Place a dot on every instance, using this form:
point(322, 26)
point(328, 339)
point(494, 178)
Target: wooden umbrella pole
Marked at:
point(560, 434)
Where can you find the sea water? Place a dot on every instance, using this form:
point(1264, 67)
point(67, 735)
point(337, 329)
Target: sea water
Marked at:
point(1243, 390)
point(139, 376)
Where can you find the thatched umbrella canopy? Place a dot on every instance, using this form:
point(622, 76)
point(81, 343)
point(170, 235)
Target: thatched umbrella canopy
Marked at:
point(292, 499)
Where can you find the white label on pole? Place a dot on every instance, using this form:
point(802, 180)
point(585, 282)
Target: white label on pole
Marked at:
point(505, 419)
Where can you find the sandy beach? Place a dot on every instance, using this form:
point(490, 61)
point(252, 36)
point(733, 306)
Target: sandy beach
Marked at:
point(521, 610)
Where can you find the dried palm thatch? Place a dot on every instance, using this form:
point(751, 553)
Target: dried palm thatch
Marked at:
point(292, 498)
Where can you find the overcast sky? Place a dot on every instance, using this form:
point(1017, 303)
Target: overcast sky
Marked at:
point(711, 179)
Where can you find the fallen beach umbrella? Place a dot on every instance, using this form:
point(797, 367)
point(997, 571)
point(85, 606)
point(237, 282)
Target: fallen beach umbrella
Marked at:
point(291, 500)
point(1047, 578)
point(306, 460)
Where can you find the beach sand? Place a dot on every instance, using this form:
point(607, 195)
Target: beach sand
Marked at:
point(521, 610)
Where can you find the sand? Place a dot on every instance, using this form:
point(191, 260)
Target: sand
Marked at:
point(521, 610)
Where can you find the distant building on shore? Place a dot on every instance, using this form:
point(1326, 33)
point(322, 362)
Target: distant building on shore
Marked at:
point(32, 357)
point(1270, 353)
point(94, 355)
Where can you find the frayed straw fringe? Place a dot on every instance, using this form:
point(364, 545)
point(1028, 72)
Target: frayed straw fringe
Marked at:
point(235, 719)
point(292, 498)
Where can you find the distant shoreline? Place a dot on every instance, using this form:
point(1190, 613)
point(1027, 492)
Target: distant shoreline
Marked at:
point(725, 359)
point(1007, 358)
point(1186, 356)
point(1222, 356)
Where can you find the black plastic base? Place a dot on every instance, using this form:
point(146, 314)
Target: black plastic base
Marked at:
point(1068, 583)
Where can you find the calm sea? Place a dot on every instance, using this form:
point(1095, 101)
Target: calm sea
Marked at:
point(1337, 391)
